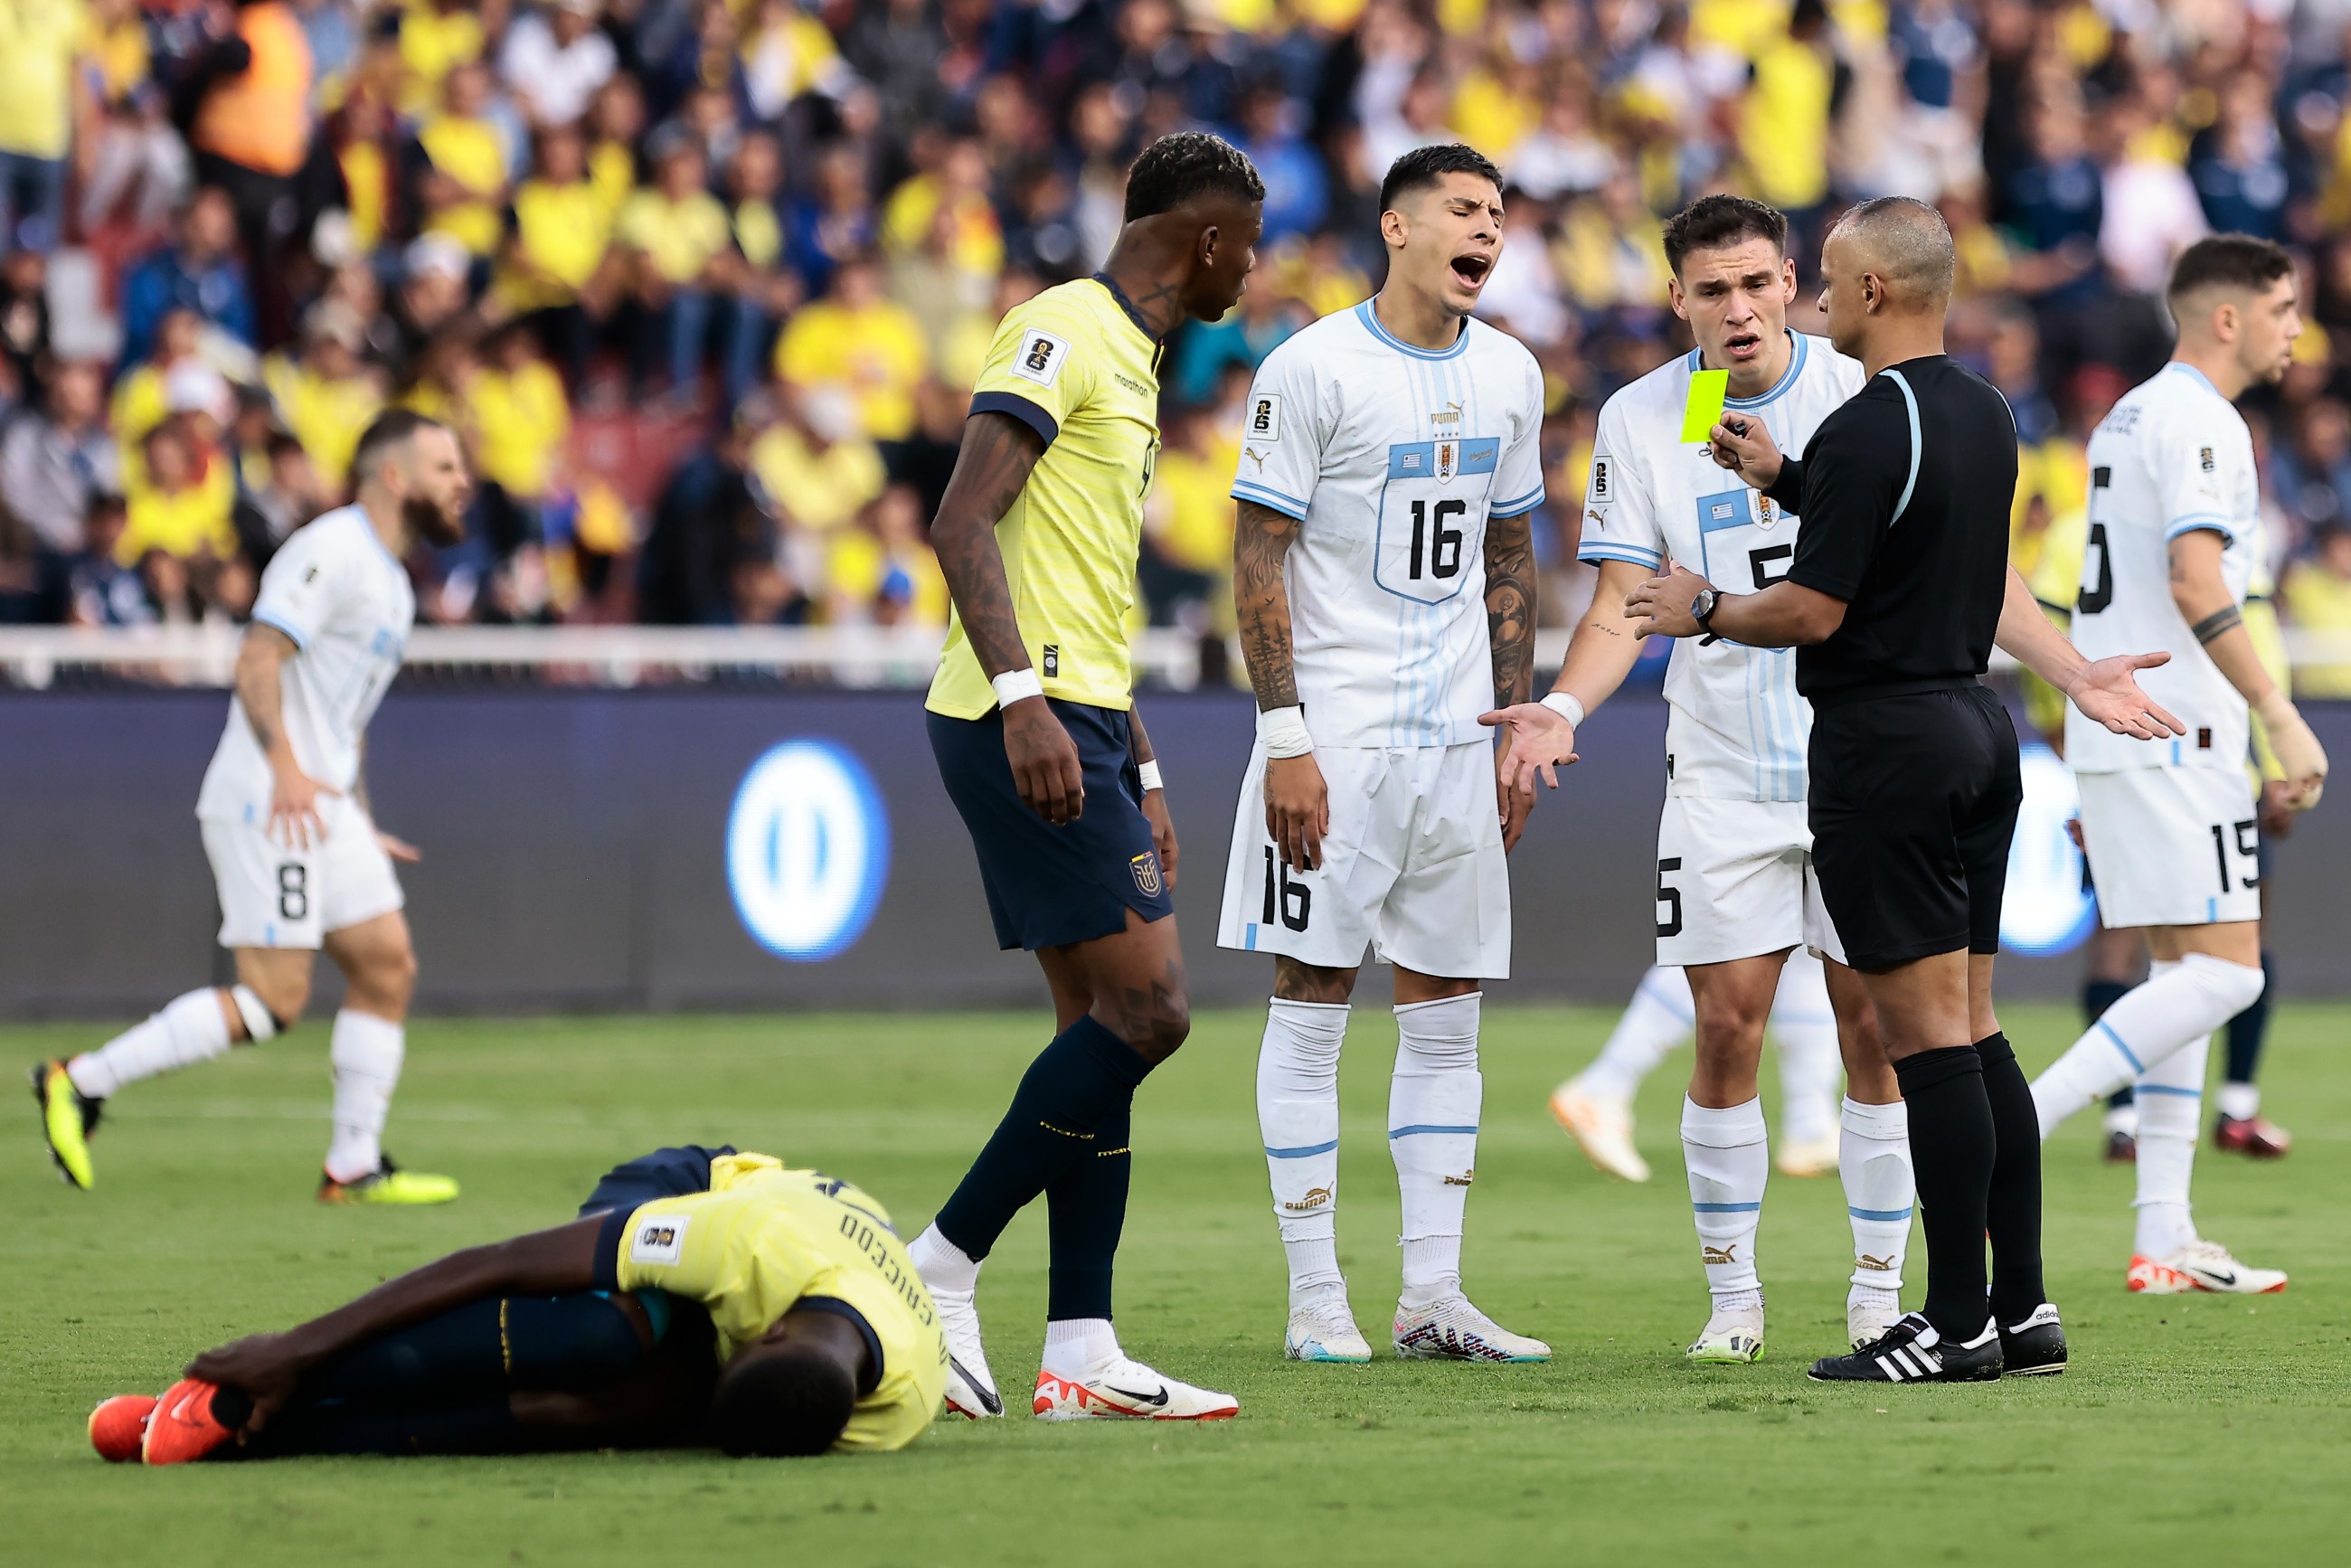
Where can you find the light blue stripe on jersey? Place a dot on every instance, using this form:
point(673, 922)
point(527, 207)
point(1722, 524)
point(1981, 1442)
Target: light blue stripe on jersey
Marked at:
point(1634, 553)
point(1526, 503)
point(2225, 526)
point(1265, 495)
point(1909, 402)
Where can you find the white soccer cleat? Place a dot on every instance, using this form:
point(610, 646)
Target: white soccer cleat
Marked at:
point(1124, 1389)
point(1452, 1330)
point(1869, 1312)
point(1324, 1330)
point(1602, 1128)
point(971, 1390)
point(1812, 1158)
point(2201, 1266)
point(1732, 1337)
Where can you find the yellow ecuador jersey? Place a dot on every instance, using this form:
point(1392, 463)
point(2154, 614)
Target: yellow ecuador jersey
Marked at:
point(1075, 366)
point(765, 1240)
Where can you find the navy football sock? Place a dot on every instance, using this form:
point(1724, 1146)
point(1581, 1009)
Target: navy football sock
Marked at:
point(568, 1342)
point(2248, 1030)
point(1087, 1203)
point(2013, 1205)
point(1078, 1085)
point(1952, 1147)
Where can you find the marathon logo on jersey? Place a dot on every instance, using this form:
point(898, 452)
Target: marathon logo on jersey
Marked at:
point(2204, 458)
point(1264, 417)
point(659, 1239)
point(1040, 358)
point(1597, 492)
point(1145, 867)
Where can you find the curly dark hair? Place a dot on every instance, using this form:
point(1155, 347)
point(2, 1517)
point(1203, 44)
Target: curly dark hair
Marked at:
point(1422, 167)
point(1185, 164)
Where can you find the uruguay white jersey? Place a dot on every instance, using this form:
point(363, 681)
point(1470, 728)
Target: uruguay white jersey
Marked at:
point(1391, 458)
point(335, 591)
point(1736, 729)
point(2172, 456)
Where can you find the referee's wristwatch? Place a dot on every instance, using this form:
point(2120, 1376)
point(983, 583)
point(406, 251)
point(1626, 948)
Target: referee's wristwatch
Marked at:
point(1702, 611)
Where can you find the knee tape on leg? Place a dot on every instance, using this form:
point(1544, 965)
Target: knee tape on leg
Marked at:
point(260, 1023)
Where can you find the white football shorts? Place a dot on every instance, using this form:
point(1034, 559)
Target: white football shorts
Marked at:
point(1735, 879)
point(1411, 866)
point(2172, 846)
point(276, 895)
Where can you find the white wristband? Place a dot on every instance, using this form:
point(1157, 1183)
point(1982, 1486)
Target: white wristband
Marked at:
point(1149, 773)
point(1283, 730)
point(1564, 705)
point(1017, 686)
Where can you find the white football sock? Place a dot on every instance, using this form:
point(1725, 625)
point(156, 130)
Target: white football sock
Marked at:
point(366, 1053)
point(1880, 1193)
point(943, 1265)
point(1810, 1064)
point(1434, 1102)
point(1077, 1346)
point(2171, 1098)
point(1298, 1116)
point(1659, 1017)
point(2240, 1101)
point(2175, 1003)
point(1729, 1164)
point(190, 1029)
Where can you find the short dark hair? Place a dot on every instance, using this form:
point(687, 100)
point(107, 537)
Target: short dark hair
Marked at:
point(782, 1401)
point(1183, 164)
point(1423, 167)
point(392, 427)
point(2229, 261)
point(1712, 222)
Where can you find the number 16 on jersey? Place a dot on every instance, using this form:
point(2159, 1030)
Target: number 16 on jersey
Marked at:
point(1433, 516)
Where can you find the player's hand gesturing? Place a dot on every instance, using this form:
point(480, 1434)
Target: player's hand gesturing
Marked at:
point(259, 1367)
point(2107, 691)
point(1541, 742)
point(294, 806)
point(1297, 810)
point(1044, 761)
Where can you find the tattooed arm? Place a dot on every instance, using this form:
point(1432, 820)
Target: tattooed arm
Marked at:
point(2201, 593)
point(1297, 803)
point(261, 657)
point(998, 455)
point(1511, 627)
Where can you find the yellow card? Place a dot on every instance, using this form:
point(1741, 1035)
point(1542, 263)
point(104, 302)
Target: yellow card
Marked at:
point(1704, 411)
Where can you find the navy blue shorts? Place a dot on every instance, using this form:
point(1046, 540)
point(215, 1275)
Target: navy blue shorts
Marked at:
point(664, 1173)
point(1050, 887)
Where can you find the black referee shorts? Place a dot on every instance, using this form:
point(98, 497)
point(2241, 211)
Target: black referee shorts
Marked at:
point(1048, 887)
point(1912, 802)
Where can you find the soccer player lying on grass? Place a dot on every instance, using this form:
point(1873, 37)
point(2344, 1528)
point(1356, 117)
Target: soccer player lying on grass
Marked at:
point(824, 1336)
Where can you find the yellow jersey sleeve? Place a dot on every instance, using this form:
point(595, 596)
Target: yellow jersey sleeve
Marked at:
point(732, 1252)
point(1036, 369)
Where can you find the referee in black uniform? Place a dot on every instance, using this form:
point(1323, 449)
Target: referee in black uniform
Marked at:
point(1899, 588)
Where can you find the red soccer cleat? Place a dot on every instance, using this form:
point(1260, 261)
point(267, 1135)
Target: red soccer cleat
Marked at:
point(118, 1424)
point(2252, 1136)
point(183, 1427)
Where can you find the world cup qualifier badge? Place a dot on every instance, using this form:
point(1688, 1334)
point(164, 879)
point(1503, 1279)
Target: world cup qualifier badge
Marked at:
point(1145, 867)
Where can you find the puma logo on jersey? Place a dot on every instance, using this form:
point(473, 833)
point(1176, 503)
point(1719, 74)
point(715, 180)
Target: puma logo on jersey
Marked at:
point(1254, 456)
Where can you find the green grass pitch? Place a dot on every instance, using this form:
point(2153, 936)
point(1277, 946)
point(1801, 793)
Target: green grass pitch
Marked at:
point(2209, 1427)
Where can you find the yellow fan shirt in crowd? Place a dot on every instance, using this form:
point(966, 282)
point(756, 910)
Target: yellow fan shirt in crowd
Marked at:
point(764, 1240)
point(562, 231)
point(857, 564)
point(2319, 600)
point(473, 154)
point(138, 405)
point(38, 39)
point(521, 420)
point(612, 170)
point(1783, 125)
point(182, 523)
point(819, 490)
point(876, 352)
point(431, 41)
point(1073, 366)
point(976, 243)
point(326, 417)
point(679, 236)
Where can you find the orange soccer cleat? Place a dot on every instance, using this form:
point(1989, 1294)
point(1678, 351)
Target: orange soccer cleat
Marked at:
point(119, 1426)
point(183, 1427)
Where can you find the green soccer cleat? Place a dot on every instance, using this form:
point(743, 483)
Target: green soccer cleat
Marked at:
point(68, 1117)
point(388, 1183)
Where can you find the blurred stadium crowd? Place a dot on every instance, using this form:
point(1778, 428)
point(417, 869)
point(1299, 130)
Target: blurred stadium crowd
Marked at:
point(704, 282)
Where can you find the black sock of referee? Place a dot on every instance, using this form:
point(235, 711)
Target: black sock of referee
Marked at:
point(2012, 1212)
point(1951, 1145)
point(1079, 1085)
point(1087, 1204)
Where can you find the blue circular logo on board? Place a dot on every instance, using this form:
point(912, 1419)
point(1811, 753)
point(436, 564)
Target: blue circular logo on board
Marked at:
point(2046, 910)
point(807, 850)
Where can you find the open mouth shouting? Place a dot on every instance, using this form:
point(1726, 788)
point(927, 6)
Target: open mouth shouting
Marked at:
point(1472, 269)
point(1742, 346)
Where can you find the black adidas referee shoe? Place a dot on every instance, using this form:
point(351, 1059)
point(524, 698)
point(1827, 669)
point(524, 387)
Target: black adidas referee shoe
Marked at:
point(2035, 1347)
point(1912, 1352)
